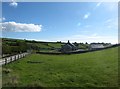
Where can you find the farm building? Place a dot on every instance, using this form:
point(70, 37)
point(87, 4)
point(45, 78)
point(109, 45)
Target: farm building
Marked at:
point(94, 46)
point(68, 47)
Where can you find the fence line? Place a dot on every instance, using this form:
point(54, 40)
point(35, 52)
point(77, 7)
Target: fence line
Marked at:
point(10, 59)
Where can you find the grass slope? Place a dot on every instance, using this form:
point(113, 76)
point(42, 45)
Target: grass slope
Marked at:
point(94, 69)
point(55, 45)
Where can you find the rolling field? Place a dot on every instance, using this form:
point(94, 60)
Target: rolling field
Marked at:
point(55, 45)
point(93, 69)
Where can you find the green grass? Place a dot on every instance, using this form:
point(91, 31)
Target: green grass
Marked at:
point(94, 69)
point(55, 45)
point(41, 45)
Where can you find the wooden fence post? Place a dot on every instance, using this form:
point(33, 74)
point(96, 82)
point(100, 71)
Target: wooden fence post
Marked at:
point(11, 59)
point(15, 57)
point(5, 61)
point(22, 55)
point(18, 56)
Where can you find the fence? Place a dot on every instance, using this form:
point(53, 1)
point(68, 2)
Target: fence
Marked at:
point(10, 59)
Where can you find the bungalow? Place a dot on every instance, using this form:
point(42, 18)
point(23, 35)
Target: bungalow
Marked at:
point(94, 46)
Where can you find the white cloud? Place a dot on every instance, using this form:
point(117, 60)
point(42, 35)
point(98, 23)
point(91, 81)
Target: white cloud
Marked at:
point(2, 19)
point(98, 4)
point(112, 23)
point(88, 26)
point(86, 15)
point(79, 24)
point(13, 3)
point(108, 20)
point(111, 6)
point(20, 27)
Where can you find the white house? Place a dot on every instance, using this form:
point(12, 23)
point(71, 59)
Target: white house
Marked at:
point(94, 46)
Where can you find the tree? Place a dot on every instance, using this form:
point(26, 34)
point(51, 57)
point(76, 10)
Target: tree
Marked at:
point(6, 49)
point(22, 46)
point(76, 44)
point(86, 43)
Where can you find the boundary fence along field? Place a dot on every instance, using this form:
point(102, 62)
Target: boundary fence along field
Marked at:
point(10, 59)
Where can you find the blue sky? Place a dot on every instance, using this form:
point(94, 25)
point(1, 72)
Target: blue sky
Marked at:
point(50, 21)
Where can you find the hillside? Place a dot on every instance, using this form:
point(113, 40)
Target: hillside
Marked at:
point(94, 69)
point(14, 46)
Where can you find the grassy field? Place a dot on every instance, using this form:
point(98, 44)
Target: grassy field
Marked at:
point(55, 45)
point(94, 69)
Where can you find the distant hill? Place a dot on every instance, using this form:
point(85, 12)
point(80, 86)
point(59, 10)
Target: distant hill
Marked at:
point(13, 46)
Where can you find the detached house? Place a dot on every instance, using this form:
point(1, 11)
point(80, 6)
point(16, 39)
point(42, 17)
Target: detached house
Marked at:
point(68, 47)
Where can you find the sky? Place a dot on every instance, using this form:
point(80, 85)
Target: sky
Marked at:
point(61, 21)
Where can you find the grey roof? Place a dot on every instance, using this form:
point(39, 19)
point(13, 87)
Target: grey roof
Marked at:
point(72, 45)
point(68, 47)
